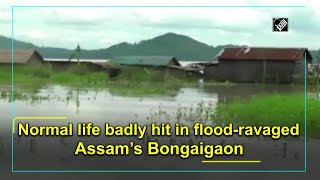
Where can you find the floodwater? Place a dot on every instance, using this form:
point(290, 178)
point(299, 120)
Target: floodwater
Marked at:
point(103, 105)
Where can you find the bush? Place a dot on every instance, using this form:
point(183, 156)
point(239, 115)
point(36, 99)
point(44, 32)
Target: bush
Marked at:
point(64, 77)
point(41, 72)
point(79, 69)
point(139, 74)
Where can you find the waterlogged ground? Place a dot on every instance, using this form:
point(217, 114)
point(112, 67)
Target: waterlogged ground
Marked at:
point(110, 105)
point(187, 104)
point(97, 105)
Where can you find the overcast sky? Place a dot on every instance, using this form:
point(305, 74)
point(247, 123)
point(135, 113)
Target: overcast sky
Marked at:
point(102, 27)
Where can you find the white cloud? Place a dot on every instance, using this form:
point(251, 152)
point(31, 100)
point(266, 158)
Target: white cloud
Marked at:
point(5, 21)
point(102, 27)
point(76, 15)
point(5, 16)
point(35, 34)
point(73, 39)
point(161, 2)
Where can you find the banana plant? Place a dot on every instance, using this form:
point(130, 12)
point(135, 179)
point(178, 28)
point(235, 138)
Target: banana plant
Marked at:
point(76, 54)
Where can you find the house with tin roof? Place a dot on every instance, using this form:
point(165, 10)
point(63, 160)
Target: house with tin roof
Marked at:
point(163, 64)
point(20, 57)
point(261, 65)
point(151, 61)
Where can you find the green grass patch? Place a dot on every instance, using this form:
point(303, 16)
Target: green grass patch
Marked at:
point(131, 82)
point(80, 75)
point(138, 81)
point(33, 75)
point(140, 74)
point(39, 75)
point(72, 79)
point(271, 110)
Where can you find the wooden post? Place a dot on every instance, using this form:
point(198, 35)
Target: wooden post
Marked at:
point(78, 101)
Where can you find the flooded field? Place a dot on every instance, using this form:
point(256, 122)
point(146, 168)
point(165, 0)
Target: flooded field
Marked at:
point(107, 105)
point(187, 105)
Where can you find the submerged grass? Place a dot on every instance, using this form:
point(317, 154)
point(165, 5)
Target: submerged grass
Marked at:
point(258, 110)
point(72, 79)
point(132, 81)
point(42, 74)
point(262, 110)
point(272, 110)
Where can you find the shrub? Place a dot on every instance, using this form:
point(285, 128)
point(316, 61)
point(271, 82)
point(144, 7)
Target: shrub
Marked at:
point(41, 72)
point(79, 69)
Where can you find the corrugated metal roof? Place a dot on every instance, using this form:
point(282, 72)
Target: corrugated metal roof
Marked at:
point(76, 60)
point(145, 60)
point(184, 68)
point(254, 53)
point(20, 56)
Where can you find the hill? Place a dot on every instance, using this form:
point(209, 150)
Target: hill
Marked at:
point(47, 52)
point(169, 44)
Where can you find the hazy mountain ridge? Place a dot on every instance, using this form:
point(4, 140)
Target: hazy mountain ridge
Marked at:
point(169, 44)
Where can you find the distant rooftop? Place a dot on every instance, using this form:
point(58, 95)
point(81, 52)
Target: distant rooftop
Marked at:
point(146, 60)
point(259, 53)
point(75, 60)
point(20, 56)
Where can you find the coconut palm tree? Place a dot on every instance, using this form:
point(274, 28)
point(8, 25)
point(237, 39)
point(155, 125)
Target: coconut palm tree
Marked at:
point(76, 54)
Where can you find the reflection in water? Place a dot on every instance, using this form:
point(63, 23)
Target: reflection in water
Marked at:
point(244, 91)
point(224, 92)
point(183, 95)
point(78, 101)
point(101, 105)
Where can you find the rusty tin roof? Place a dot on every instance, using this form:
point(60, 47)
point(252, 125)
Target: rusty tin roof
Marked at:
point(254, 53)
point(20, 56)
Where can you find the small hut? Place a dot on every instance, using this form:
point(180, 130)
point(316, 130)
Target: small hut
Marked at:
point(163, 64)
point(21, 57)
point(63, 65)
point(146, 61)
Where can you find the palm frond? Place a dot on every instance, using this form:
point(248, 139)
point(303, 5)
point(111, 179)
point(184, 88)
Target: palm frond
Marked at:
point(72, 56)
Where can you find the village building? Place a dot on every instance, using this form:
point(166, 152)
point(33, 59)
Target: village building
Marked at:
point(146, 61)
point(164, 64)
point(64, 65)
point(25, 57)
point(261, 65)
